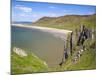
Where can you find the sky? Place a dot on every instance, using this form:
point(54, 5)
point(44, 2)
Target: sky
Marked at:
point(32, 11)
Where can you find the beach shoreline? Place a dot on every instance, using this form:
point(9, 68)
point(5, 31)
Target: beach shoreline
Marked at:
point(43, 28)
point(58, 33)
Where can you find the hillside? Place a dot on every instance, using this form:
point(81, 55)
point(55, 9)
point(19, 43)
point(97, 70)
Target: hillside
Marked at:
point(69, 22)
point(26, 64)
point(87, 61)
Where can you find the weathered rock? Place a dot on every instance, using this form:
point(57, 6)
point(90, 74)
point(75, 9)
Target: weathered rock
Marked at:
point(19, 52)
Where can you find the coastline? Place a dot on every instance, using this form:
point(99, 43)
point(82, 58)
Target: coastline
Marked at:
point(43, 28)
point(59, 33)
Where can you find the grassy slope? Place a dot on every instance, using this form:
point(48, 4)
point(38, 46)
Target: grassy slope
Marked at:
point(86, 61)
point(88, 58)
point(69, 22)
point(28, 64)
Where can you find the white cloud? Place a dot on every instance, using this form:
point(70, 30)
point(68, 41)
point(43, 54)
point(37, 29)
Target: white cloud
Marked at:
point(23, 8)
point(29, 15)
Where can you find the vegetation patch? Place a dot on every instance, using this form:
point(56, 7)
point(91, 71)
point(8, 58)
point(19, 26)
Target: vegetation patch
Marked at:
point(27, 64)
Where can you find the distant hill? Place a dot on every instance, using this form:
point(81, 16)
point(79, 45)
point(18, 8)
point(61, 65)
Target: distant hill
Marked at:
point(68, 21)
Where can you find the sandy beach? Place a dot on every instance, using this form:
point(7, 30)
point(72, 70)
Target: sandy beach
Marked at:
point(61, 33)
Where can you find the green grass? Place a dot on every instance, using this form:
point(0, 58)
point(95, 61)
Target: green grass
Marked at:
point(86, 62)
point(28, 64)
point(69, 22)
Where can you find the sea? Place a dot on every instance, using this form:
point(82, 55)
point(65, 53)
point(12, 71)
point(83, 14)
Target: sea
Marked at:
point(43, 44)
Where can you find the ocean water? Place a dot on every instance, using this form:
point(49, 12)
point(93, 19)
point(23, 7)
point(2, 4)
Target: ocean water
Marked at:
point(43, 44)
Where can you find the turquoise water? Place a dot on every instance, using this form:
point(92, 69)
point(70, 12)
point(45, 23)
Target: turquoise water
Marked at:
point(45, 45)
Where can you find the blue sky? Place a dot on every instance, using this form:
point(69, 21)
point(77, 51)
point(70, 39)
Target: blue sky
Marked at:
point(32, 11)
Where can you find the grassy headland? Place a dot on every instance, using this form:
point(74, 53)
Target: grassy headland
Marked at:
point(69, 22)
point(27, 64)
